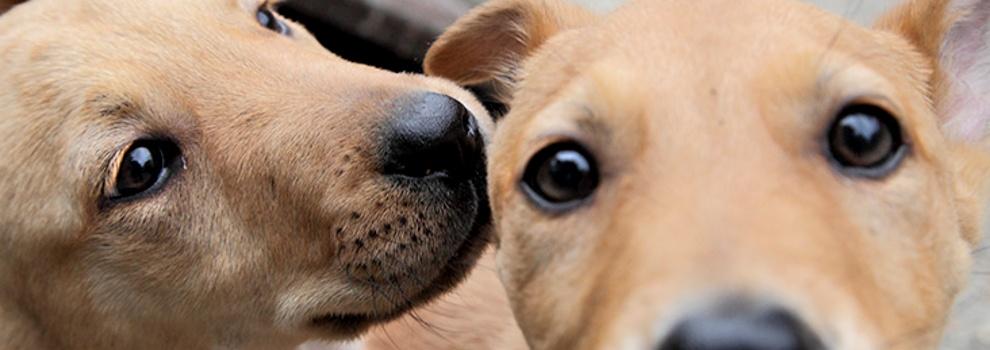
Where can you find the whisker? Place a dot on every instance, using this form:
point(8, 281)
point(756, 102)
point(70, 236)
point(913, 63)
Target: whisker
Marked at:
point(487, 268)
point(388, 336)
point(432, 328)
point(436, 330)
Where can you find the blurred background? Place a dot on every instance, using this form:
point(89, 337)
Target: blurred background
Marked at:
point(394, 34)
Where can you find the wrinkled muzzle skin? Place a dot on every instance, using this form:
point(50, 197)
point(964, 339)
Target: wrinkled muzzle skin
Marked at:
point(278, 225)
point(708, 124)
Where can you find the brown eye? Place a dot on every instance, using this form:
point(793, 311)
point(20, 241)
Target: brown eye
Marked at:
point(268, 20)
point(145, 166)
point(866, 141)
point(561, 176)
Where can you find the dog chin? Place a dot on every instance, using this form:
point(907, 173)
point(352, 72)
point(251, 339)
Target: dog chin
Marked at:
point(352, 325)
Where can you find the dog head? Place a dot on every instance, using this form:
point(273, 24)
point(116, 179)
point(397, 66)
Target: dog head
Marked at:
point(731, 174)
point(203, 172)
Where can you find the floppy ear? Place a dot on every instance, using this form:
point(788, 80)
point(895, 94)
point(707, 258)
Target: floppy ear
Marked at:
point(955, 36)
point(486, 48)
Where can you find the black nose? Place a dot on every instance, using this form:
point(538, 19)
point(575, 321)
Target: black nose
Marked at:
point(740, 325)
point(432, 135)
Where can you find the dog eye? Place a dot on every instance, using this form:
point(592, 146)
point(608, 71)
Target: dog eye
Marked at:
point(865, 140)
point(145, 167)
point(268, 20)
point(560, 176)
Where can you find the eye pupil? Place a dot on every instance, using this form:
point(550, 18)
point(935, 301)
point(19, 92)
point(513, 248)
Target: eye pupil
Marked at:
point(139, 168)
point(561, 174)
point(143, 166)
point(565, 175)
point(866, 138)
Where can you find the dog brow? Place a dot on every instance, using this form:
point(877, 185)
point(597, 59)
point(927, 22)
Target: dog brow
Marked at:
point(589, 122)
point(117, 109)
point(112, 106)
point(829, 80)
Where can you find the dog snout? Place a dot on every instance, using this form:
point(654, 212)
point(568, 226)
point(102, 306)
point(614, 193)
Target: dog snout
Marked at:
point(742, 325)
point(432, 135)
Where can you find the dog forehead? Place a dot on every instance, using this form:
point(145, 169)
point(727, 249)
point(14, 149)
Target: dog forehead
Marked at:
point(728, 39)
point(724, 21)
point(116, 13)
point(760, 52)
point(80, 39)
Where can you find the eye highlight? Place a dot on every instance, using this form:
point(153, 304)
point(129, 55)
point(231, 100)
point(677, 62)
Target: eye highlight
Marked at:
point(266, 18)
point(866, 141)
point(560, 177)
point(146, 166)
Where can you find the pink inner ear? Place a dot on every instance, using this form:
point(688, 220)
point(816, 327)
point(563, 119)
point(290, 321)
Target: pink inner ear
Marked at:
point(967, 118)
point(966, 60)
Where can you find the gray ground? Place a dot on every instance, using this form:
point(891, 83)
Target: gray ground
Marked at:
point(970, 325)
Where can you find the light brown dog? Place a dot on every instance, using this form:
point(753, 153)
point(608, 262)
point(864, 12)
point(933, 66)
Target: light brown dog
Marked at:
point(202, 174)
point(726, 174)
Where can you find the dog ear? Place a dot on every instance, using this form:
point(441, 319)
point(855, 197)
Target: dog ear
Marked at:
point(486, 48)
point(955, 36)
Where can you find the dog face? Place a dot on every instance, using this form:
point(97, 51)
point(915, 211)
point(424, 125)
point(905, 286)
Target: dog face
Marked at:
point(730, 175)
point(198, 172)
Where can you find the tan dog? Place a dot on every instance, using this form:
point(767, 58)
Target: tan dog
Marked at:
point(727, 174)
point(202, 174)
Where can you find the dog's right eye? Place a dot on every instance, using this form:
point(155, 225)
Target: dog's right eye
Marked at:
point(560, 177)
point(145, 167)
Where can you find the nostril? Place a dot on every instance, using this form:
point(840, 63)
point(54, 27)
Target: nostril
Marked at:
point(432, 134)
point(740, 326)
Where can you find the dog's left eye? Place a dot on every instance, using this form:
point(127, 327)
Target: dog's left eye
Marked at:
point(866, 141)
point(269, 20)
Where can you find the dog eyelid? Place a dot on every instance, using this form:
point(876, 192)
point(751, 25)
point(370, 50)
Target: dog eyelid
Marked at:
point(534, 146)
point(880, 101)
point(112, 165)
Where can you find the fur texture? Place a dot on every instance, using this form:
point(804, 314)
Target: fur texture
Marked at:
point(277, 227)
point(707, 119)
